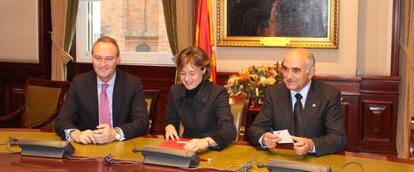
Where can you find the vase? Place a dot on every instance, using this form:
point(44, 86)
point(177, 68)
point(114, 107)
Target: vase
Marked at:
point(256, 101)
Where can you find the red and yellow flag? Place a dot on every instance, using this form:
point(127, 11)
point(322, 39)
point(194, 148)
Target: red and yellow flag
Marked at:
point(205, 34)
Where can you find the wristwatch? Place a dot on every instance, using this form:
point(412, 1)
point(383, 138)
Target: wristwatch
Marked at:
point(118, 134)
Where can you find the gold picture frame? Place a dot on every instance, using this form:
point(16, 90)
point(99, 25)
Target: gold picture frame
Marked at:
point(252, 23)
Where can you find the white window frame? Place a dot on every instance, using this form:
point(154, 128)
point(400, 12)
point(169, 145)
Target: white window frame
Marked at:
point(127, 58)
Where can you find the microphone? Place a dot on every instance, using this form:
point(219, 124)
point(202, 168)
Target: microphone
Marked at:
point(43, 148)
point(292, 166)
point(168, 156)
point(261, 165)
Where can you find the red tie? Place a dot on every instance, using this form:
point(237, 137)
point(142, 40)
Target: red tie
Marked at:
point(104, 112)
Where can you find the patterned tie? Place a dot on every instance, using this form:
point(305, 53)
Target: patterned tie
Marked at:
point(298, 109)
point(104, 112)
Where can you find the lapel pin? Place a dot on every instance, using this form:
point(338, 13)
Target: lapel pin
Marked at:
point(313, 105)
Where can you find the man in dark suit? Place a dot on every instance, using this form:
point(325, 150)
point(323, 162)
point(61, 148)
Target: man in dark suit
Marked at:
point(103, 105)
point(318, 126)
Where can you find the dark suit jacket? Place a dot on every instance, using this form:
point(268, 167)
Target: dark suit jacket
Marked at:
point(323, 118)
point(208, 115)
point(80, 108)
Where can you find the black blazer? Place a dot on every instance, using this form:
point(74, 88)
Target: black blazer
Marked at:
point(80, 108)
point(324, 120)
point(206, 115)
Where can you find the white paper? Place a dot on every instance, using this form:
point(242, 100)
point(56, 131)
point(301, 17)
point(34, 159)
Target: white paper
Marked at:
point(284, 136)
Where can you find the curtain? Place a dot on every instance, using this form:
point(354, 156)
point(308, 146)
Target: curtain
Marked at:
point(186, 27)
point(406, 99)
point(170, 16)
point(63, 14)
point(70, 23)
point(180, 34)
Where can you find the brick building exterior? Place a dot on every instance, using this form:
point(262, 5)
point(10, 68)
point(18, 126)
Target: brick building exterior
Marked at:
point(137, 25)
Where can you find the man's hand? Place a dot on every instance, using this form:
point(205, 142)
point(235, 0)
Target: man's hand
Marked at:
point(302, 145)
point(104, 134)
point(171, 133)
point(270, 140)
point(84, 137)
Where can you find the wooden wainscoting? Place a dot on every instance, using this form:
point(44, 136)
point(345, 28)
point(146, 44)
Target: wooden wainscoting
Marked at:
point(379, 109)
point(412, 138)
point(2, 108)
point(12, 92)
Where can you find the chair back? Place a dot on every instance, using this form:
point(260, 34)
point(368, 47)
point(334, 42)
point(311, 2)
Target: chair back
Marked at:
point(43, 100)
point(239, 108)
point(151, 98)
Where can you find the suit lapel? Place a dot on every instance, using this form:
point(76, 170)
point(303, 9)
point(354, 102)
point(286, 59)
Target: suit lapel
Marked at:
point(312, 103)
point(117, 98)
point(285, 103)
point(91, 91)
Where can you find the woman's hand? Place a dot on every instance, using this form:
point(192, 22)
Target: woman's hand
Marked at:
point(171, 133)
point(195, 144)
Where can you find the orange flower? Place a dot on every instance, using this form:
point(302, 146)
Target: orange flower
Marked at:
point(243, 77)
point(252, 81)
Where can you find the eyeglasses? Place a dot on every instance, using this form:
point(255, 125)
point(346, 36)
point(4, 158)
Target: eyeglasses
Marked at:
point(190, 74)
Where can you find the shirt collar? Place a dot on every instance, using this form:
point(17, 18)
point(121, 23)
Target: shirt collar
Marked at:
point(303, 92)
point(110, 83)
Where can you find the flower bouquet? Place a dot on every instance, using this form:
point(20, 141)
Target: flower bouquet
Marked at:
point(253, 80)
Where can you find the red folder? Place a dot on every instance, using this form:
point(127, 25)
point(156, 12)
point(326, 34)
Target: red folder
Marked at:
point(176, 144)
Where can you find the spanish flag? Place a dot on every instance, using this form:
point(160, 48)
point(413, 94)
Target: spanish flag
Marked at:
point(205, 33)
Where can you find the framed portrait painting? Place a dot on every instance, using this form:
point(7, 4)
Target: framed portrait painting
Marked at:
point(278, 23)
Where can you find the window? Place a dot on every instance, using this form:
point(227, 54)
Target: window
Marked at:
point(137, 25)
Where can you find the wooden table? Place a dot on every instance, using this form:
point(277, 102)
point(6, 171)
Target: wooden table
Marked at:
point(230, 158)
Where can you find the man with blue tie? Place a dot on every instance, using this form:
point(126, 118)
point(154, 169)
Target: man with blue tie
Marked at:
point(103, 105)
point(309, 109)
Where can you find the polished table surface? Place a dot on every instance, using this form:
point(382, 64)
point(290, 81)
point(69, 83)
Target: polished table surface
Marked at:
point(230, 158)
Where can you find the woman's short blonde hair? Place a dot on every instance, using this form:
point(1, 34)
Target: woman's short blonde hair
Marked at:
point(194, 56)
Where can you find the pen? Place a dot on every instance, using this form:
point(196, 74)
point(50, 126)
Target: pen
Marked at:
point(206, 159)
point(182, 142)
